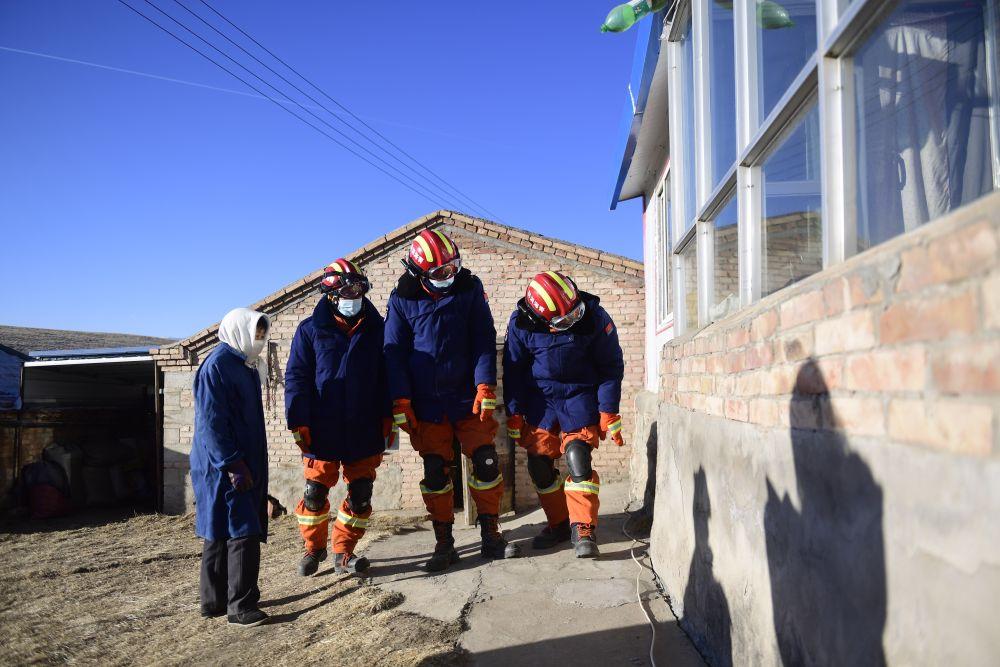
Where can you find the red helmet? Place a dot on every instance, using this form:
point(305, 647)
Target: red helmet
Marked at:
point(554, 299)
point(344, 278)
point(433, 255)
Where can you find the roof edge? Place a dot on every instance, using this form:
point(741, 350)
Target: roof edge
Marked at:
point(294, 291)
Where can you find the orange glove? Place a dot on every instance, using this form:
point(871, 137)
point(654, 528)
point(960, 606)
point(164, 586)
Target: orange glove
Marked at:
point(403, 416)
point(390, 432)
point(302, 438)
point(485, 403)
point(514, 425)
point(611, 423)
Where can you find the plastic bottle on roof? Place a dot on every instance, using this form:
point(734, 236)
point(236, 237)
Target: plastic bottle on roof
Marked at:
point(627, 15)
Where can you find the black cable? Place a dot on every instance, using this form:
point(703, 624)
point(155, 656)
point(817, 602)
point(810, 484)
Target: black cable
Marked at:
point(348, 111)
point(290, 100)
point(277, 103)
point(437, 188)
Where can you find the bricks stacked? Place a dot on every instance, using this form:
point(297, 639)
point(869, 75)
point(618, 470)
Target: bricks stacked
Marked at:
point(503, 257)
point(906, 339)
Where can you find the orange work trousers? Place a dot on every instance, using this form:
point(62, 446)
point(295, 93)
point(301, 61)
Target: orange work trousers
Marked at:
point(577, 501)
point(349, 526)
point(437, 439)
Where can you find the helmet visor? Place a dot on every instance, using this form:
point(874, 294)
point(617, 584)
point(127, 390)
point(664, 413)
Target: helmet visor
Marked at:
point(564, 322)
point(349, 286)
point(445, 271)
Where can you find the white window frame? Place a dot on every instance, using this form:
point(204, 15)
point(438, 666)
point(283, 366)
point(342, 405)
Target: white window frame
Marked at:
point(661, 203)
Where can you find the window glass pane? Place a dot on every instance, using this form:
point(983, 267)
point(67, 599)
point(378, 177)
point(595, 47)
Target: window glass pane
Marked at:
point(687, 141)
point(665, 299)
point(723, 91)
point(726, 268)
point(922, 117)
point(786, 38)
point(791, 230)
point(688, 258)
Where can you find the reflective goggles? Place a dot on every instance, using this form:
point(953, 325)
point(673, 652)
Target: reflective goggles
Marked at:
point(347, 287)
point(564, 322)
point(445, 271)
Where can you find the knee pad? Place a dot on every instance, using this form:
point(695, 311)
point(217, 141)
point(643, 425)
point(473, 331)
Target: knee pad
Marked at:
point(359, 494)
point(541, 470)
point(578, 460)
point(485, 464)
point(436, 472)
point(314, 496)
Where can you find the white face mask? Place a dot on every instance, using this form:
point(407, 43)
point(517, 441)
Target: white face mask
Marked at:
point(349, 307)
point(441, 284)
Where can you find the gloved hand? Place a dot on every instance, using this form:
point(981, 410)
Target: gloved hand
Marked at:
point(485, 403)
point(390, 432)
point(514, 425)
point(612, 423)
point(403, 415)
point(302, 438)
point(239, 476)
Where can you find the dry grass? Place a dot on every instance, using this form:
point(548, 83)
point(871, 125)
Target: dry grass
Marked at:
point(125, 592)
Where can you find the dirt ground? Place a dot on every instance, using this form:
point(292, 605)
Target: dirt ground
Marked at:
point(122, 590)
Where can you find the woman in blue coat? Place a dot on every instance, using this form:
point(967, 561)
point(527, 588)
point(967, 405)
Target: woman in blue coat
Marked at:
point(229, 469)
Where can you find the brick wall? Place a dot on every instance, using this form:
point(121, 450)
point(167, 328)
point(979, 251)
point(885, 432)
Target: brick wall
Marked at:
point(505, 260)
point(828, 460)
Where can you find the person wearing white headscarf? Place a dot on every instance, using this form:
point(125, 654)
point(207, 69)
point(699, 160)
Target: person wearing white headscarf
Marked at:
point(229, 468)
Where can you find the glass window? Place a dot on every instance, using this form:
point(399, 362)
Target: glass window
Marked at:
point(786, 38)
point(688, 258)
point(791, 230)
point(686, 142)
point(722, 84)
point(726, 267)
point(922, 117)
point(664, 250)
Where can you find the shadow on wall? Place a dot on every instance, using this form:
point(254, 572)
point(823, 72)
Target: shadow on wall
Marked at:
point(649, 493)
point(706, 611)
point(826, 560)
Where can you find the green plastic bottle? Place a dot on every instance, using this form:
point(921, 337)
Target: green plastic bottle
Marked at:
point(772, 16)
point(625, 16)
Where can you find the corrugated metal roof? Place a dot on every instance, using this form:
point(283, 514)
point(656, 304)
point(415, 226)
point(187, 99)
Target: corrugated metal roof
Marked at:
point(28, 339)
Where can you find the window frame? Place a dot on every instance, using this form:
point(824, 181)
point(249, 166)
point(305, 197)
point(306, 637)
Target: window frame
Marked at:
point(664, 307)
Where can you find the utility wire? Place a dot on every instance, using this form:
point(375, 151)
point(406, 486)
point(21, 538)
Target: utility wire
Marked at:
point(436, 188)
point(276, 102)
point(290, 100)
point(349, 112)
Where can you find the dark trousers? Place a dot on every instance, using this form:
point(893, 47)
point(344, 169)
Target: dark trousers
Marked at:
point(229, 570)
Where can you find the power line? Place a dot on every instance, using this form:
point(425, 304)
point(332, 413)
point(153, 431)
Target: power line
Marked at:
point(282, 93)
point(276, 102)
point(437, 188)
point(348, 111)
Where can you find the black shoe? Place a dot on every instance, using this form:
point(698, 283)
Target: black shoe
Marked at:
point(349, 564)
point(551, 536)
point(212, 612)
point(585, 540)
point(310, 562)
point(444, 555)
point(248, 619)
point(494, 544)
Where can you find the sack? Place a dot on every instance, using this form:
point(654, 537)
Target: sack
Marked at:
point(70, 459)
point(45, 490)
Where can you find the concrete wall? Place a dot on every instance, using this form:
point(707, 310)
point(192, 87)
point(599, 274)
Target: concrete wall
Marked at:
point(828, 461)
point(505, 270)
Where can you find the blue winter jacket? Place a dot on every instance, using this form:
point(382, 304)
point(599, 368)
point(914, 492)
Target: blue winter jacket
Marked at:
point(563, 381)
point(228, 426)
point(438, 350)
point(335, 384)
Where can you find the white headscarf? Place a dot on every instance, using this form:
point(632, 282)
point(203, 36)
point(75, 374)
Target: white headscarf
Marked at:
point(238, 330)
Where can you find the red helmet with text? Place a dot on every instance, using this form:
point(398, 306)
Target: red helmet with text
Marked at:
point(433, 255)
point(553, 298)
point(344, 278)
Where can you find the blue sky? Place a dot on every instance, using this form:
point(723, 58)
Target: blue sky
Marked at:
point(136, 204)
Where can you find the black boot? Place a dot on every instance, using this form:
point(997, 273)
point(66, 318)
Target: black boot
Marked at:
point(494, 544)
point(310, 562)
point(551, 536)
point(444, 550)
point(585, 540)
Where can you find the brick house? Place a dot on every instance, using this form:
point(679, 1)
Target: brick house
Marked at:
point(504, 258)
point(818, 438)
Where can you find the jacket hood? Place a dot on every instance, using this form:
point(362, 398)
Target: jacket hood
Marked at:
point(238, 329)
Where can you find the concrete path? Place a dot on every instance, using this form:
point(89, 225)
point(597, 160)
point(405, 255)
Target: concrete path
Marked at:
point(545, 607)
